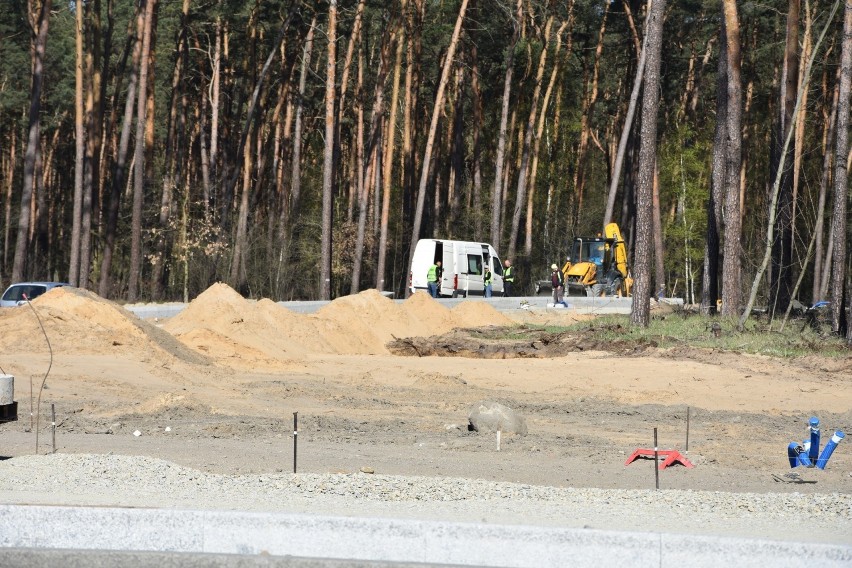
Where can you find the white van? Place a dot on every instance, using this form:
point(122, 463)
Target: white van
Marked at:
point(463, 264)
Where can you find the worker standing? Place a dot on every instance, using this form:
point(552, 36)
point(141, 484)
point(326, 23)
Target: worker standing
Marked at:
point(557, 279)
point(508, 278)
point(433, 278)
point(486, 280)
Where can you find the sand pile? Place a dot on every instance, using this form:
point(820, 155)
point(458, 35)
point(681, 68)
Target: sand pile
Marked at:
point(478, 314)
point(227, 327)
point(236, 331)
point(433, 318)
point(78, 321)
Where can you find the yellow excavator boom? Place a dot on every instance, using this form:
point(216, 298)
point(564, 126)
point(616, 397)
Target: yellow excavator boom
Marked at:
point(620, 248)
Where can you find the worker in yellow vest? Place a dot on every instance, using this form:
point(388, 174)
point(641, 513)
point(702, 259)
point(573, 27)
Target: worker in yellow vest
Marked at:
point(433, 278)
point(508, 278)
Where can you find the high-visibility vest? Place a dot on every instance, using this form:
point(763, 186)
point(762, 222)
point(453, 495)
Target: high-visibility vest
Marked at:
point(487, 277)
point(432, 276)
point(509, 276)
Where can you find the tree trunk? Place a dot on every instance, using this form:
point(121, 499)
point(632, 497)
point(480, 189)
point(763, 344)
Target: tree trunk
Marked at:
point(79, 147)
point(659, 249)
point(710, 282)
point(640, 314)
point(19, 265)
point(841, 192)
point(436, 114)
point(497, 192)
point(732, 267)
point(139, 157)
point(328, 155)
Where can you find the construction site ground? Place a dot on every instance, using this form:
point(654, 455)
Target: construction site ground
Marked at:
point(386, 388)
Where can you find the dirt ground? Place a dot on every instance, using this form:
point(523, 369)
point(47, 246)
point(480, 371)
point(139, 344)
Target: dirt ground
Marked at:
point(216, 387)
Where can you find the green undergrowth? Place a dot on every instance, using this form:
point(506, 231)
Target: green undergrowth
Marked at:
point(673, 330)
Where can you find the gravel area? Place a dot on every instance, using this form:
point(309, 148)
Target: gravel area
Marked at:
point(92, 479)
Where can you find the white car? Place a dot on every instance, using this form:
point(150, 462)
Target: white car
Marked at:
point(18, 294)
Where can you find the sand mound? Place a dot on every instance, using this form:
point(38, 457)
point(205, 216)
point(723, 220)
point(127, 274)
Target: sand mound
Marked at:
point(478, 314)
point(364, 322)
point(77, 320)
point(226, 326)
point(245, 334)
point(433, 318)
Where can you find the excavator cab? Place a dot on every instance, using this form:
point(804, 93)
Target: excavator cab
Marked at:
point(597, 265)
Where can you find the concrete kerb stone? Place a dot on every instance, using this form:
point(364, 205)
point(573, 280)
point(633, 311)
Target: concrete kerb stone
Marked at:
point(377, 539)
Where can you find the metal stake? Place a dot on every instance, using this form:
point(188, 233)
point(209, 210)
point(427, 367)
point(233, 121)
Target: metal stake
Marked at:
point(295, 437)
point(687, 429)
point(53, 424)
point(498, 440)
point(656, 458)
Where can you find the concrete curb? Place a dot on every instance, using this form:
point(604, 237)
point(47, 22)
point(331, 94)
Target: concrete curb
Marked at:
point(388, 540)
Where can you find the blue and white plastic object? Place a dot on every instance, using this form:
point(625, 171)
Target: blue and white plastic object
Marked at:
point(807, 454)
point(813, 451)
point(804, 454)
point(793, 453)
point(829, 449)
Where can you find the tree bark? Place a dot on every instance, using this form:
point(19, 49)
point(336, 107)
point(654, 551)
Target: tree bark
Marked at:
point(732, 267)
point(79, 146)
point(640, 314)
point(839, 324)
point(328, 155)
point(710, 282)
point(19, 265)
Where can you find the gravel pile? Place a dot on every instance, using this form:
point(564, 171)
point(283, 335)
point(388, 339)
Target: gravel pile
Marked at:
point(86, 479)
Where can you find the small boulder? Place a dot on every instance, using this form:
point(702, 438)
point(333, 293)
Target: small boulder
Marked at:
point(492, 416)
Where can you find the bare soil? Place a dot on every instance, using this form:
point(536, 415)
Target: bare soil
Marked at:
point(388, 386)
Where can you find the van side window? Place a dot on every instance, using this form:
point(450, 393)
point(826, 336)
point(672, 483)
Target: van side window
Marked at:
point(498, 267)
point(474, 264)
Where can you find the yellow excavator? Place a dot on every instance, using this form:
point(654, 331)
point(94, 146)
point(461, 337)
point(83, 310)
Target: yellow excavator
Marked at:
point(597, 266)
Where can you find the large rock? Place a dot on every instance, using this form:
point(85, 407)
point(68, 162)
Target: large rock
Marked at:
point(491, 416)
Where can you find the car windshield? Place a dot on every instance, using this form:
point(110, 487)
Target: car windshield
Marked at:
point(16, 293)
